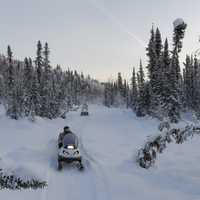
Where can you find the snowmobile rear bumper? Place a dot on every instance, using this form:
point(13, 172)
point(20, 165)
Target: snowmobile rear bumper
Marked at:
point(84, 113)
point(69, 159)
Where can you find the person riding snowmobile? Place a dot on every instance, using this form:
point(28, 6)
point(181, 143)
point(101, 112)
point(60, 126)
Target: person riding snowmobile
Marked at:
point(68, 151)
point(66, 130)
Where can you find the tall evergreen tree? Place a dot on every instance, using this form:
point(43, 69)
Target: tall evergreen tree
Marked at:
point(46, 93)
point(154, 71)
point(141, 91)
point(158, 43)
point(196, 85)
point(27, 80)
point(134, 92)
point(12, 108)
point(188, 81)
point(120, 84)
point(165, 77)
point(151, 54)
point(39, 62)
point(175, 78)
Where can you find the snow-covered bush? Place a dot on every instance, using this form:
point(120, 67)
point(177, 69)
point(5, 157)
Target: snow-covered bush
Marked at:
point(11, 181)
point(15, 177)
point(147, 155)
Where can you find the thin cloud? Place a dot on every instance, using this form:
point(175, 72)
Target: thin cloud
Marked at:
point(115, 21)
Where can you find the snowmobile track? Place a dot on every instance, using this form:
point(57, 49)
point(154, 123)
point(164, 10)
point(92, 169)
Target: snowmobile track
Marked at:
point(94, 174)
point(103, 186)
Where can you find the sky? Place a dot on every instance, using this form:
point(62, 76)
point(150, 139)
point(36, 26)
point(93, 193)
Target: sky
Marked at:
point(96, 37)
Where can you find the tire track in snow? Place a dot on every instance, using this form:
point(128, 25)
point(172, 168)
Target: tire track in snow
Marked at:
point(100, 183)
point(91, 184)
point(44, 195)
point(53, 178)
point(100, 177)
point(88, 170)
point(69, 183)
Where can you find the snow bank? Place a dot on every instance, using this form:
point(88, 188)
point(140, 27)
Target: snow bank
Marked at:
point(109, 137)
point(20, 171)
point(157, 143)
point(18, 178)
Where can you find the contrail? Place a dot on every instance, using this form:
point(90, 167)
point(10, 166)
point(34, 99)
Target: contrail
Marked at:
point(113, 19)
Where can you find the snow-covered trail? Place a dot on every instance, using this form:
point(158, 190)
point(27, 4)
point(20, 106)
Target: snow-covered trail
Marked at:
point(109, 140)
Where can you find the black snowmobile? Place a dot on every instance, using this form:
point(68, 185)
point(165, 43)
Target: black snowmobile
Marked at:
point(69, 151)
point(84, 110)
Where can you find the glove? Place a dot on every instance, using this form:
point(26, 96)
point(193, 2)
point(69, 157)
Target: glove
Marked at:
point(59, 145)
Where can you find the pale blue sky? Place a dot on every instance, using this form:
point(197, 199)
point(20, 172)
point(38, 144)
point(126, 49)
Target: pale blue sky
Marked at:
point(99, 37)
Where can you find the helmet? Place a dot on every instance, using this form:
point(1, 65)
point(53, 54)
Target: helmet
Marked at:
point(66, 128)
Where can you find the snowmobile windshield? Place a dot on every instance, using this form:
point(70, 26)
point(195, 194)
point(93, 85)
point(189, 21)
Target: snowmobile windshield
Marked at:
point(70, 139)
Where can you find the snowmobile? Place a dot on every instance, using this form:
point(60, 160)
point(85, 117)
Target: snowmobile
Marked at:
point(69, 151)
point(84, 111)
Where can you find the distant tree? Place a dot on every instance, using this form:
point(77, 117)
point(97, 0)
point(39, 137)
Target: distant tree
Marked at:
point(120, 84)
point(133, 92)
point(46, 90)
point(140, 112)
point(153, 53)
point(39, 62)
point(27, 81)
point(11, 93)
point(107, 92)
point(196, 86)
point(189, 81)
point(35, 100)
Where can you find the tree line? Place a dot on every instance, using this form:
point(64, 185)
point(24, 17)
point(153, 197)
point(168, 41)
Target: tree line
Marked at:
point(34, 88)
point(165, 92)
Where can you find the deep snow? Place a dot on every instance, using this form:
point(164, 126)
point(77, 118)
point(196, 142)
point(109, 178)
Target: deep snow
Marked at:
point(109, 140)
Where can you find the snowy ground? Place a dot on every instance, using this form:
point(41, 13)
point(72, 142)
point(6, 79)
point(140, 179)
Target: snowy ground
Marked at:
point(109, 140)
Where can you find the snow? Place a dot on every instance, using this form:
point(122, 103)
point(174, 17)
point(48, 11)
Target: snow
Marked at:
point(109, 140)
point(178, 22)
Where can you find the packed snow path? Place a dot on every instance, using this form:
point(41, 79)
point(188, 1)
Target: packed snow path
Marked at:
point(109, 140)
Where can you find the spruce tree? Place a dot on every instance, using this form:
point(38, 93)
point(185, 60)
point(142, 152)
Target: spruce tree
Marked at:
point(153, 67)
point(196, 90)
point(175, 77)
point(35, 100)
point(134, 92)
point(19, 89)
point(165, 77)
point(12, 107)
point(107, 95)
point(46, 92)
point(140, 112)
point(151, 54)
point(27, 81)
point(39, 62)
point(120, 84)
point(158, 43)
point(188, 81)
point(39, 71)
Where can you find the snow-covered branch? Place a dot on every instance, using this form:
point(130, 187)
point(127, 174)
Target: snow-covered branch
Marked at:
point(148, 154)
point(13, 182)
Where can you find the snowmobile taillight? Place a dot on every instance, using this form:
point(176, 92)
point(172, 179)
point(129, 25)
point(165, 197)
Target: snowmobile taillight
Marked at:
point(70, 147)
